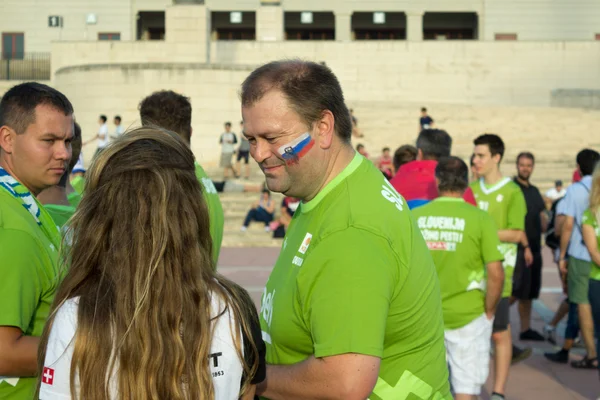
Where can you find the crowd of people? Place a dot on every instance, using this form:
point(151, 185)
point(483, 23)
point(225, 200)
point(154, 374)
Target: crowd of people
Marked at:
point(395, 278)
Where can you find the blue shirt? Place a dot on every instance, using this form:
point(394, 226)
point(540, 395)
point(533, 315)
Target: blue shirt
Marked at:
point(576, 201)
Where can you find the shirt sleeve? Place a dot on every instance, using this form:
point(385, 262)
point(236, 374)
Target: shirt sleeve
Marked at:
point(345, 288)
point(588, 218)
point(489, 240)
point(21, 263)
point(517, 209)
point(569, 206)
point(56, 374)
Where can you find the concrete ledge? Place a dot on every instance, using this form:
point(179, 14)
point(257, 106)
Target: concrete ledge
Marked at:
point(576, 98)
point(151, 66)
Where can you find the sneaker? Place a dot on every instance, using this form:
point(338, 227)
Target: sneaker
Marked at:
point(244, 228)
point(497, 396)
point(267, 229)
point(520, 355)
point(561, 356)
point(532, 335)
point(550, 333)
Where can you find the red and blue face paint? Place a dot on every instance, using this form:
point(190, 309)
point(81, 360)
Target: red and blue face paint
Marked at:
point(294, 151)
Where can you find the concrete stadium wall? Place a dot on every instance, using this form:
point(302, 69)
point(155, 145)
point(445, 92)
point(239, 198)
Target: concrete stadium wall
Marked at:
point(576, 98)
point(113, 89)
point(457, 72)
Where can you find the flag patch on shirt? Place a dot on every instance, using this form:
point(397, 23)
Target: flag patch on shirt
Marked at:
point(48, 376)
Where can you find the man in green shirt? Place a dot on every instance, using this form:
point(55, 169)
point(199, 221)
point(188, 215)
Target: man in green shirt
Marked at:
point(504, 201)
point(55, 198)
point(36, 127)
point(463, 241)
point(352, 309)
point(173, 111)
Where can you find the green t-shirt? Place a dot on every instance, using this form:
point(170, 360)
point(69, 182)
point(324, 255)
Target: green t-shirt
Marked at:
point(215, 210)
point(505, 203)
point(74, 198)
point(590, 219)
point(28, 277)
point(462, 240)
point(78, 184)
point(59, 213)
point(354, 276)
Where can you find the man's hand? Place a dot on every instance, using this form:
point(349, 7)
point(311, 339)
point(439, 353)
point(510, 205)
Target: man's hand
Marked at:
point(562, 265)
point(528, 257)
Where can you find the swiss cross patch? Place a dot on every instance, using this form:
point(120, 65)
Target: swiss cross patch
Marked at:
point(48, 376)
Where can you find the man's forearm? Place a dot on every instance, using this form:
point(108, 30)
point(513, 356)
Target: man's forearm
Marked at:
point(311, 379)
point(513, 236)
point(19, 358)
point(565, 237)
point(495, 284)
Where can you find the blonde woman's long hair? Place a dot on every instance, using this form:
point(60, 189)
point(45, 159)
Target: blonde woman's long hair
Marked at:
point(141, 266)
point(595, 193)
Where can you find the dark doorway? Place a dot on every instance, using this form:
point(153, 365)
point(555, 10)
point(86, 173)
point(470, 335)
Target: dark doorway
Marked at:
point(309, 25)
point(450, 26)
point(233, 25)
point(151, 25)
point(379, 25)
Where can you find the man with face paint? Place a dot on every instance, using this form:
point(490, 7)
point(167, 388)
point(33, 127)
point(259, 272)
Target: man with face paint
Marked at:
point(352, 309)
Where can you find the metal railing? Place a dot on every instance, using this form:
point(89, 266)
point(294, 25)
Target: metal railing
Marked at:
point(25, 66)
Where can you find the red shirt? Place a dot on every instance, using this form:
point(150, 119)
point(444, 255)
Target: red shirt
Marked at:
point(415, 181)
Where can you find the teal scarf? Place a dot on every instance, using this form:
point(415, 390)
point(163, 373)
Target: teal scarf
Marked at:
point(39, 214)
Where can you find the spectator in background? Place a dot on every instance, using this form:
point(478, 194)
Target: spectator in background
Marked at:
point(362, 151)
point(557, 192)
point(227, 141)
point(243, 153)
point(288, 208)
point(579, 264)
point(415, 180)
point(61, 200)
point(425, 122)
point(355, 131)
point(262, 211)
point(404, 154)
point(385, 163)
point(119, 130)
point(101, 136)
point(527, 280)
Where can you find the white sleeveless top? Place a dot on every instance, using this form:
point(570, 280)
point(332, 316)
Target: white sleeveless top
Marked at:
point(225, 365)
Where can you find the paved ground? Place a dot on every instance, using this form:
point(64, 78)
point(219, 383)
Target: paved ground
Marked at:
point(535, 378)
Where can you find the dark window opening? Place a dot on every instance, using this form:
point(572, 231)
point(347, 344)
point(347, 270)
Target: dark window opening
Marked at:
point(379, 25)
point(233, 25)
point(151, 25)
point(13, 46)
point(109, 36)
point(450, 26)
point(309, 25)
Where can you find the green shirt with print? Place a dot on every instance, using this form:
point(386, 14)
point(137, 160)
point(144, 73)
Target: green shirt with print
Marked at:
point(505, 203)
point(78, 184)
point(215, 211)
point(355, 276)
point(462, 240)
point(590, 219)
point(28, 271)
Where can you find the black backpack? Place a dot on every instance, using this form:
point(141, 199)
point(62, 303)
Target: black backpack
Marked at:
point(550, 238)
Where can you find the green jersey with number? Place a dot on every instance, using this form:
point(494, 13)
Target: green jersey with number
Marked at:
point(215, 210)
point(355, 276)
point(590, 219)
point(462, 240)
point(505, 203)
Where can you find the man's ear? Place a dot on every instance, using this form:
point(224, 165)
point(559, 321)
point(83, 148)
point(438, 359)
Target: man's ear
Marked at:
point(325, 129)
point(7, 139)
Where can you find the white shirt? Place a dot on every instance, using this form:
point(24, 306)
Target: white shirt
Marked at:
point(118, 131)
point(103, 140)
point(554, 194)
point(225, 366)
point(226, 138)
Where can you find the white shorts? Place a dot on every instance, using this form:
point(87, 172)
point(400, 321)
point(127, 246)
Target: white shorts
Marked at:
point(468, 355)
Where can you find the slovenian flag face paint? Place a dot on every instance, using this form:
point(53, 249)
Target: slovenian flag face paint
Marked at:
point(294, 151)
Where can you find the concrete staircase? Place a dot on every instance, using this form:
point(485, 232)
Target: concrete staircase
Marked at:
point(553, 135)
